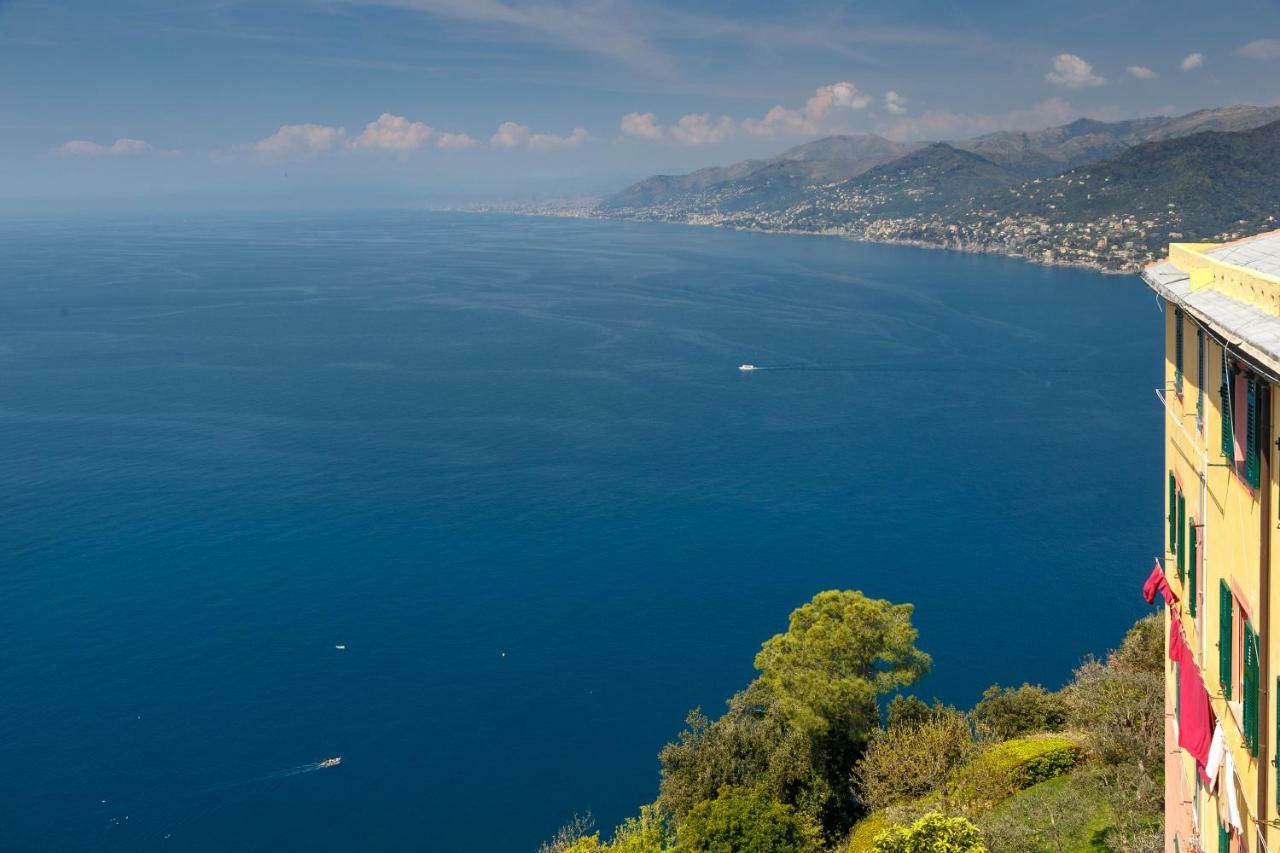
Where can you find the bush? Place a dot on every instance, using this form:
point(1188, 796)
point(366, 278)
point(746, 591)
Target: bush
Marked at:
point(1009, 712)
point(866, 831)
point(752, 745)
point(1066, 813)
point(1142, 649)
point(933, 833)
point(1008, 767)
point(1121, 710)
point(745, 821)
point(908, 761)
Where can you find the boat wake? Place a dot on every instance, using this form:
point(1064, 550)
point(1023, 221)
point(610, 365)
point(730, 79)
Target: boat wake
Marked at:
point(306, 768)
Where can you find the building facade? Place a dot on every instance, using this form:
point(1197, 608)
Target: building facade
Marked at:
point(1221, 305)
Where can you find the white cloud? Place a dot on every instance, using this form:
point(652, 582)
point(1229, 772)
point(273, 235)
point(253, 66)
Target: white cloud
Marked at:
point(1191, 62)
point(641, 126)
point(1261, 49)
point(1141, 72)
point(692, 129)
point(455, 141)
point(701, 129)
point(510, 135)
point(1072, 72)
point(393, 133)
point(513, 135)
point(825, 100)
point(121, 147)
point(895, 103)
point(301, 139)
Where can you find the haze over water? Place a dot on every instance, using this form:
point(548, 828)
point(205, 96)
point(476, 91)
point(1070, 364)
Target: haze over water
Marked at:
point(511, 465)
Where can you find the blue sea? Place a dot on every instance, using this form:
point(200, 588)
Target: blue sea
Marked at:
point(512, 466)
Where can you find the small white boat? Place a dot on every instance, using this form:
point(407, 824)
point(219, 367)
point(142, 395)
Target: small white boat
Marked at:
point(746, 367)
point(342, 647)
point(330, 762)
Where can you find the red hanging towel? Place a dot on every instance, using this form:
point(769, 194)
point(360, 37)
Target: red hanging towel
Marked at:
point(1195, 714)
point(1156, 583)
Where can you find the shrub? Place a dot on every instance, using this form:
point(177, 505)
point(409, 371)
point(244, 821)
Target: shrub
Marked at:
point(865, 832)
point(1005, 768)
point(572, 834)
point(741, 820)
point(905, 762)
point(1142, 649)
point(1066, 813)
point(1009, 712)
point(752, 745)
point(1121, 710)
point(933, 833)
point(906, 711)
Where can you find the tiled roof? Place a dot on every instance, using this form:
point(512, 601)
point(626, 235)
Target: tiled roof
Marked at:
point(1248, 328)
point(1259, 254)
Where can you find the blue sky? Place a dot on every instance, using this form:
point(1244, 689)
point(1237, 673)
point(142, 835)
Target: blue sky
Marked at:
point(366, 102)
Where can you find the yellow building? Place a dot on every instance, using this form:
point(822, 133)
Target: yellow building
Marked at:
point(1222, 341)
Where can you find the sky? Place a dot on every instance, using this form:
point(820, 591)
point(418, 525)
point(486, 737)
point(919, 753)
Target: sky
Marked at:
point(366, 103)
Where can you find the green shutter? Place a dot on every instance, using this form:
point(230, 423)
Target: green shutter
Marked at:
point(1200, 379)
point(1251, 466)
point(1182, 526)
point(1224, 838)
point(1228, 446)
point(1177, 351)
point(1191, 568)
point(1226, 614)
point(1250, 697)
point(1173, 513)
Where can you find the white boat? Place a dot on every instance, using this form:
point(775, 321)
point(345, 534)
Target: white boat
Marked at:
point(746, 367)
point(330, 762)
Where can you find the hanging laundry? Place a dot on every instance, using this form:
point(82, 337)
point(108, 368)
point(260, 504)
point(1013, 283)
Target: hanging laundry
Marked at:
point(1195, 715)
point(1156, 582)
point(1217, 748)
point(1227, 791)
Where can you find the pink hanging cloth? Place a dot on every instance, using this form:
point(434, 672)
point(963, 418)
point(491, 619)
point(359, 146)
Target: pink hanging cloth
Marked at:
point(1195, 714)
point(1156, 582)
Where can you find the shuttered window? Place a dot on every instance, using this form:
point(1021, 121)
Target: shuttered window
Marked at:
point(1228, 440)
point(1224, 838)
point(1200, 379)
point(1177, 351)
point(1173, 512)
point(1226, 613)
point(1251, 465)
point(1191, 568)
point(1182, 525)
point(1250, 698)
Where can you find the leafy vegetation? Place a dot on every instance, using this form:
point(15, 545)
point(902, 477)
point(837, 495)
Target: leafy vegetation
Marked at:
point(935, 833)
point(800, 763)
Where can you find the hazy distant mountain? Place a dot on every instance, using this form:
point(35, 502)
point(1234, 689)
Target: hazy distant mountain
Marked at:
point(793, 175)
point(1040, 153)
point(765, 181)
point(1210, 181)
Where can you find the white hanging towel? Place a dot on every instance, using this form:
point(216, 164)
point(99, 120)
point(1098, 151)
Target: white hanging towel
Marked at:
point(1217, 747)
point(1227, 788)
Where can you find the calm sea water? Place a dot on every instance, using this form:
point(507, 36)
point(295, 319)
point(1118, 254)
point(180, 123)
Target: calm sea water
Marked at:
point(511, 465)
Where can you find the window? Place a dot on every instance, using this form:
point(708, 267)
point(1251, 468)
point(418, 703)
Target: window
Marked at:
point(1238, 664)
point(1224, 392)
point(1173, 513)
point(1226, 620)
point(1252, 468)
point(1192, 569)
point(1200, 355)
point(1177, 351)
point(1182, 525)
